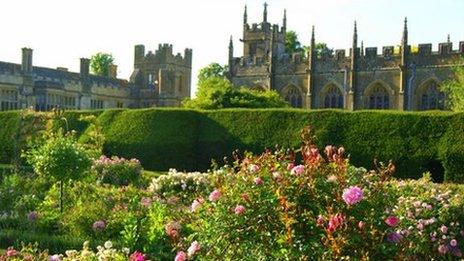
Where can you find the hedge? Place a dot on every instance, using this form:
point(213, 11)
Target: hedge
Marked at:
point(188, 139)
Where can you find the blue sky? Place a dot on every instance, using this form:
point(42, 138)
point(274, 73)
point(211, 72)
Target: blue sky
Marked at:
point(63, 31)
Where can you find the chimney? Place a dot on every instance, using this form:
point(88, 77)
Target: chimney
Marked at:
point(26, 65)
point(113, 71)
point(85, 63)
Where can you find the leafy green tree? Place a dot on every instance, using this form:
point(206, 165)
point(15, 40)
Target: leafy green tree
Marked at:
point(212, 70)
point(100, 62)
point(219, 92)
point(454, 89)
point(60, 158)
point(321, 50)
point(292, 45)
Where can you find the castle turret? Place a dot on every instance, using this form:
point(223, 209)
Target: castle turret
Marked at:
point(26, 61)
point(139, 54)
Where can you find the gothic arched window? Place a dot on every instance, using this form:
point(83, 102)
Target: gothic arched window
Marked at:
point(293, 97)
point(333, 98)
point(378, 98)
point(432, 98)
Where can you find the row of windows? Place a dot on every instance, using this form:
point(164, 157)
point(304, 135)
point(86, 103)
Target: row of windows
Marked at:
point(9, 100)
point(96, 104)
point(378, 98)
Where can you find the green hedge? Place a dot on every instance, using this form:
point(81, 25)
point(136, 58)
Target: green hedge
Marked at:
point(189, 139)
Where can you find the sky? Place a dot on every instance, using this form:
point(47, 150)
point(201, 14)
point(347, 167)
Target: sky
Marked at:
point(62, 31)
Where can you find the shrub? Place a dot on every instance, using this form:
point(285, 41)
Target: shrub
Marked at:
point(117, 171)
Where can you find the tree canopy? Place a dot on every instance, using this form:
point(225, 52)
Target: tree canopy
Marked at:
point(292, 44)
point(100, 62)
point(454, 89)
point(212, 70)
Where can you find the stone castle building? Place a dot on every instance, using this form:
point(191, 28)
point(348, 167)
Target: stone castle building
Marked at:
point(363, 79)
point(158, 79)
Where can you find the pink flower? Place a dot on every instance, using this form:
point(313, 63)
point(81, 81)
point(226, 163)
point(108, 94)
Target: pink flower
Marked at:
point(173, 229)
point(214, 196)
point(335, 222)
point(361, 225)
point(11, 252)
point(290, 166)
point(239, 209)
point(420, 226)
point(196, 204)
point(442, 249)
point(194, 248)
point(392, 221)
point(99, 225)
point(137, 256)
point(453, 242)
point(298, 170)
point(253, 168)
point(320, 220)
point(352, 195)
point(32, 216)
point(258, 181)
point(54, 258)
point(444, 229)
point(181, 256)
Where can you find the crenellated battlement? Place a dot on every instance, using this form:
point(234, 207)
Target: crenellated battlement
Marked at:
point(163, 55)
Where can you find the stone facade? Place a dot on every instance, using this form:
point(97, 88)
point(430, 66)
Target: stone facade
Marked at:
point(363, 79)
point(159, 79)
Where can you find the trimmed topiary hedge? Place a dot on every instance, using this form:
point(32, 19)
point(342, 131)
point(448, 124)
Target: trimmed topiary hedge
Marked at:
point(189, 139)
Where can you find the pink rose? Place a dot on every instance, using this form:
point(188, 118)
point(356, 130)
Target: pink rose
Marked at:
point(290, 166)
point(181, 256)
point(392, 221)
point(194, 248)
point(253, 168)
point(352, 195)
point(444, 229)
point(196, 204)
point(320, 220)
point(361, 225)
point(239, 209)
point(214, 196)
point(298, 170)
point(258, 181)
point(453, 242)
point(442, 249)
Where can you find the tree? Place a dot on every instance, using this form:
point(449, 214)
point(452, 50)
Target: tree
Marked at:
point(218, 93)
point(292, 45)
point(454, 89)
point(100, 62)
point(212, 70)
point(321, 50)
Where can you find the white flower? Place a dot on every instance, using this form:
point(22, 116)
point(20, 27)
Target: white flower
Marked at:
point(108, 244)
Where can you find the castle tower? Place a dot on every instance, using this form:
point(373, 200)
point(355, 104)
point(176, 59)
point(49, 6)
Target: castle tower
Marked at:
point(350, 100)
point(403, 67)
point(309, 103)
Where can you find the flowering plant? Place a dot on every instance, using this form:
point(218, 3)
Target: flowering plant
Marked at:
point(117, 171)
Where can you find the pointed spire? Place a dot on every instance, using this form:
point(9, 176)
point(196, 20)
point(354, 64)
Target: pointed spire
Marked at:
point(313, 39)
point(245, 16)
point(265, 13)
point(362, 48)
point(448, 40)
point(355, 36)
point(231, 42)
point(285, 19)
point(404, 41)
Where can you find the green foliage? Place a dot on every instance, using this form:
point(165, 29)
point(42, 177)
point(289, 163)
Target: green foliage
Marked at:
point(60, 158)
point(100, 62)
point(454, 88)
point(8, 135)
point(292, 45)
point(321, 50)
point(219, 93)
point(212, 70)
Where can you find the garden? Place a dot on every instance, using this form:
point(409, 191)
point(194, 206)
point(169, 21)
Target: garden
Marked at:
point(94, 185)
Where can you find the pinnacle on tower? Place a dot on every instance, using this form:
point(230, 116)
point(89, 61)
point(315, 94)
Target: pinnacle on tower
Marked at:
point(404, 41)
point(265, 13)
point(245, 16)
point(231, 43)
point(285, 19)
point(313, 39)
point(362, 48)
point(448, 40)
point(355, 36)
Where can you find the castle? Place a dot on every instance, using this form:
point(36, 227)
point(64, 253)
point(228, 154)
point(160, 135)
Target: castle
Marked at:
point(158, 79)
point(407, 80)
